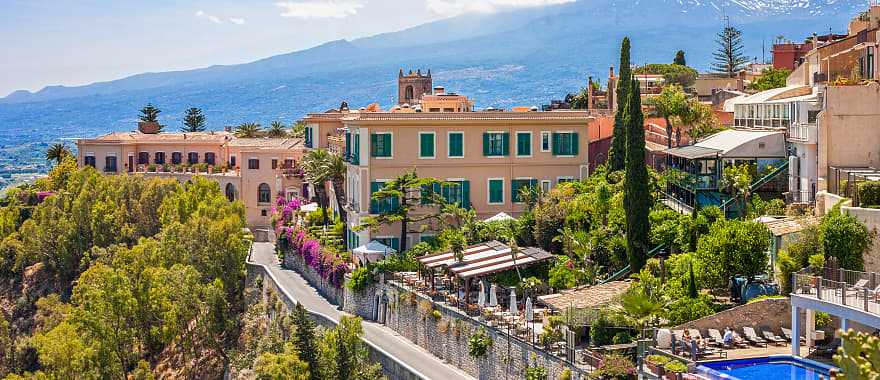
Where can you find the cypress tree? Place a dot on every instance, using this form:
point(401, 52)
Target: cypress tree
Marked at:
point(692, 283)
point(304, 339)
point(636, 192)
point(679, 58)
point(617, 155)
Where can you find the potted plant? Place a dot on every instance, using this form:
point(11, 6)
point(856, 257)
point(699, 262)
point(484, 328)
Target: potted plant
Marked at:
point(674, 369)
point(655, 363)
point(151, 167)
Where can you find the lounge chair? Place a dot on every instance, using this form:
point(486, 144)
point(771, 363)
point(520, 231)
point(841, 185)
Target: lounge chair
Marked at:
point(715, 338)
point(787, 334)
point(695, 333)
point(753, 338)
point(773, 338)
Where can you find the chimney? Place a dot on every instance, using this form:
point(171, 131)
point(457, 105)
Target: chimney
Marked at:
point(439, 90)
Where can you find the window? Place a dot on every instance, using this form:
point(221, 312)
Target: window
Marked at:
point(110, 164)
point(232, 161)
point(381, 206)
point(545, 141)
point(159, 158)
point(89, 160)
point(210, 158)
point(562, 180)
point(456, 144)
point(143, 158)
point(458, 191)
point(230, 192)
point(308, 137)
point(426, 144)
point(253, 163)
point(264, 193)
point(427, 238)
point(565, 144)
point(380, 145)
point(496, 191)
point(496, 144)
point(176, 158)
point(812, 116)
point(274, 163)
point(356, 152)
point(288, 163)
point(518, 185)
point(347, 155)
point(524, 144)
point(545, 186)
point(264, 212)
point(449, 110)
point(392, 242)
point(192, 158)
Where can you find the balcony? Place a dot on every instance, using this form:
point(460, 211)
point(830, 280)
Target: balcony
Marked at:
point(291, 170)
point(805, 133)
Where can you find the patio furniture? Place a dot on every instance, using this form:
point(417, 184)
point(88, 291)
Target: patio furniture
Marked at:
point(715, 338)
point(787, 334)
point(753, 338)
point(771, 337)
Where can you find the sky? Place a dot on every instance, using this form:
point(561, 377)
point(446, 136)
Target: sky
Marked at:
point(76, 42)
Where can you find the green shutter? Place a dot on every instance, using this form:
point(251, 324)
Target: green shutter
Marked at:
point(386, 142)
point(347, 145)
point(496, 191)
point(556, 143)
point(374, 205)
point(485, 144)
point(574, 144)
point(374, 145)
point(514, 190)
point(523, 144)
point(356, 159)
point(456, 145)
point(466, 194)
point(505, 144)
point(426, 145)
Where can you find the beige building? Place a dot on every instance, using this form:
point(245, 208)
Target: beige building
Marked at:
point(253, 171)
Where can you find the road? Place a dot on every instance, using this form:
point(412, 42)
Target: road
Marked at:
point(417, 358)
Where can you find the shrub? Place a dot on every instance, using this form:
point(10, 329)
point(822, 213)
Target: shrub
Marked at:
point(859, 355)
point(869, 193)
point(360, 278)
point(565, 375)
point(676, 366)
point(443, 326)
point(436, 314)
point(844, 238)
point(479, 344)
point(536, 372)
point(425, 308)
point(658, 359)
point(615, 367)
point(822, 319)
point(787, 265)
point(685, 310)
point(817, 262)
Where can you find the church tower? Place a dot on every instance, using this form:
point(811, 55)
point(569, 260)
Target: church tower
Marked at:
point(411, 86)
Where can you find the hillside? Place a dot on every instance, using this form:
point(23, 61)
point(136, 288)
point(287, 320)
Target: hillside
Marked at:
point(524, 57)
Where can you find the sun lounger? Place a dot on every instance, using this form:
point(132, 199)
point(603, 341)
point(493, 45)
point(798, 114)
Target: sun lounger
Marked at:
point(715, 338)
point(695, 333)
point(787, 334)
point(753, 338)
point(773, 338)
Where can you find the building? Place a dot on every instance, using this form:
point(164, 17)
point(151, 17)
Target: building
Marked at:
point(411, 86)
point(252, 170)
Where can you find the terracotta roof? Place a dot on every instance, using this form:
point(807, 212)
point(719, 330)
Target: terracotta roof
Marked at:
point(785, 226)
point(267, 143)
point(218, 137)
point(586, 296)
point(465, 116)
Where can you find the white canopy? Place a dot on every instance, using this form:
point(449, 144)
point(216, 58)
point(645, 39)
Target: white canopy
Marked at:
point(311, 207)
point(500, 217)
point(371, 252)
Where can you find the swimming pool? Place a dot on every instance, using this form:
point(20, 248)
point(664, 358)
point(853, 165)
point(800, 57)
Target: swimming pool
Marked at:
point(771, 367)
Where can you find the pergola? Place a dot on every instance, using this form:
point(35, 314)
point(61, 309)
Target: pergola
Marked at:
point(482, 260)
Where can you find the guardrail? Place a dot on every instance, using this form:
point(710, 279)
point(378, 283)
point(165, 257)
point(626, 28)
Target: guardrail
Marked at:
point(857, 294)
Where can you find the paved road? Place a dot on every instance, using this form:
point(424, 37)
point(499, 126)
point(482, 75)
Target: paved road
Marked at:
point(396, 345)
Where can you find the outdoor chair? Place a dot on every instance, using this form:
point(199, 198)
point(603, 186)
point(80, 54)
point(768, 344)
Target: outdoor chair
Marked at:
point(771, 337)
point(715, 338)
point(787, 334)
point(753, 338)
point(695, 334)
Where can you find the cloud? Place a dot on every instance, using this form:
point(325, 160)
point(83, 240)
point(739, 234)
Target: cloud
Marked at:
point(217, 20)
point(319, 8)
point(236, 20)
point(456, 7)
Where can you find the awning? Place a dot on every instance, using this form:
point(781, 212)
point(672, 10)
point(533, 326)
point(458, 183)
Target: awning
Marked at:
point(692, 152)
point(485, 259)
point(311, 207)
point(372, 252)
point(500, 217)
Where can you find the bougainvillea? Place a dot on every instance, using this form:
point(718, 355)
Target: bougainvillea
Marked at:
point(326, 263)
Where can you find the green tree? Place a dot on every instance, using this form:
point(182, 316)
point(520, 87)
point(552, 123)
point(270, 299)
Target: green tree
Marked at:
point(679, 58)
point(57, 152)
point(699, 120)
point(729, 57)
point(298, 129)
point(193, 120)
point(150, 114)
point(844, 238)
point(640, 308)
point(617, 159)
point(858, 356)
point(277, 129)
point(671, 102)
point(317, 170)
point(281, 366)
point(681, 75)
point(636, 191)
point(732, 248)
point(247, 130)
point(692, 282)
point(770, 78)
point(737, 181)
point(410, 192)
point(305, 342)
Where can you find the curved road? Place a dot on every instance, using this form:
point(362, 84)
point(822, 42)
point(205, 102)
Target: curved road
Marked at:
point(417, 358)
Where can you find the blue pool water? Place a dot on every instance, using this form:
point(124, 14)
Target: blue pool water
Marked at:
point(772, 367)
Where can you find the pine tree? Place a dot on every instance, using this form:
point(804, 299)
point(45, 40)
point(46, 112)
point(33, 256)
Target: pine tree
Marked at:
point(149, 114)
point(679, 58)
point(304, 339)
point(193, 121)
point(729, 58)
point(636, 191)
point(617, 155)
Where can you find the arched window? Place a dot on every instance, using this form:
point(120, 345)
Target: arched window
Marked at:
point(230, 192)
point(264, 193)
point(409, 93)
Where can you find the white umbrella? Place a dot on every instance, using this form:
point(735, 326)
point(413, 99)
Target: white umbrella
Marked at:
point(493, 296)
point(513, 308)
point(530, 315)
point(481, 298)
point(372, 252)
point(500, 217)
point(311, 207)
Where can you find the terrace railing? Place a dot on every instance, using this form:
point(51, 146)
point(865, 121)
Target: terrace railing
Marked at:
point(840, 287)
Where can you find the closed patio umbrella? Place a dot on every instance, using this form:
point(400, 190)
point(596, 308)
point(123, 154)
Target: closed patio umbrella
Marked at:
point(513, 308)
point(481, 298)
point(530, 315)
point(493, 296)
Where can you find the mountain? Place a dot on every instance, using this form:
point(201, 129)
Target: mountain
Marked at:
point(522, 57)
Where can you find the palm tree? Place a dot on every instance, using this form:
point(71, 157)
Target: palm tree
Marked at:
point(640, 308)
point(247, 130)
point(315, 168)
point(334, 168)
point(277, 129)
point(57, 152)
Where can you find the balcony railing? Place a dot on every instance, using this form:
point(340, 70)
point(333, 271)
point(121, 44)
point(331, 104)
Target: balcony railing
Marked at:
point(840, 287)
point(802, 132)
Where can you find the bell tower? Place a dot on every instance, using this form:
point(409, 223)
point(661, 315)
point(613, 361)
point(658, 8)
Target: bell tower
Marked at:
point(411, 86)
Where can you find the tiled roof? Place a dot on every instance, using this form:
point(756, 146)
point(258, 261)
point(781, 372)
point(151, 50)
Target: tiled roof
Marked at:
point(218, 137)
point(785, 226)
point(263, 142)
point(587, 296)
point(465, 116)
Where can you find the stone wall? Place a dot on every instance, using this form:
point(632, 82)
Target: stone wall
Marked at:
point(258, 279)
point(330, 292)
point(771, 313)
